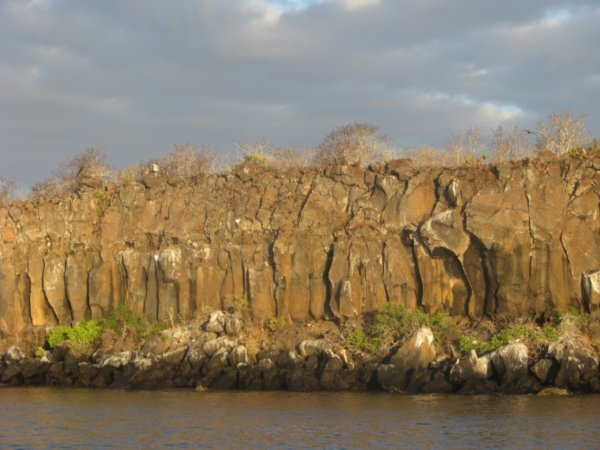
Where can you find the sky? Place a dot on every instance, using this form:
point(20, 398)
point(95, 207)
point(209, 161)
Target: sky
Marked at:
point(138, 77)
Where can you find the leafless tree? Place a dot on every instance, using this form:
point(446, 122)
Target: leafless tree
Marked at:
point(358, 144)
point(562, 133)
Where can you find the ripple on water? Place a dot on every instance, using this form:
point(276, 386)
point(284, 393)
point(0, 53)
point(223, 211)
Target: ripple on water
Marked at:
point(81, 418)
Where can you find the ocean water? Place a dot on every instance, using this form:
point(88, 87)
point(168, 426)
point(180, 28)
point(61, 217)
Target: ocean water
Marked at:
point(85, 418)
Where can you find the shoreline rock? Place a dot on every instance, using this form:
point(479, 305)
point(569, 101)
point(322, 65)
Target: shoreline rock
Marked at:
point(219, 360)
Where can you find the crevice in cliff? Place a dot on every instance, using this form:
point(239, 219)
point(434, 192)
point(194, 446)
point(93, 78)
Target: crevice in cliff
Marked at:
point(438, 193)
point(530, 228)
point(273, 266)
point(410, 240)
point(305, 201)
point(382, 275)
point(566, 253)
point(328, 284)
point(491, 286)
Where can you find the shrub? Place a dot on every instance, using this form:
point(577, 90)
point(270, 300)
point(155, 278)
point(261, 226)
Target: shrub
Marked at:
point(83, 333)
point(357, 144)
point(263, 155)
point(240, 304)
point(188, 161)
point(39, 352)
point(562, 133)
point(276, 323)
point(92, 163)
point(101, 202)
point(359, 338)
point(7, 188)
point(122, 317)
point(429, 156)
point(506, 146)
point(394, 322)
point(527, 334)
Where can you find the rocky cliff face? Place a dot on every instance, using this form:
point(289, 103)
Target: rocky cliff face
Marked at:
point(514, 239)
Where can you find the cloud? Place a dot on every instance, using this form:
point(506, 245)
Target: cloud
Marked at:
point(141, 76)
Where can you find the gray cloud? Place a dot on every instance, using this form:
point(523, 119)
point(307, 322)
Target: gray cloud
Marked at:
point(141, 76)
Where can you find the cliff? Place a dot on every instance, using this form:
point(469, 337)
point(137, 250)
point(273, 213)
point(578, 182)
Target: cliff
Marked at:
point(521, 238)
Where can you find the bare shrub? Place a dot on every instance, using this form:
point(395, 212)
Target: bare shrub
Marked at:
point(92, 163)
point(430, 156)
point(7, 188)
point(131, 173)
point(263, 154)
point(467, 147)
point(562, 133)
point(357, 144)
point(188, 161)
point(506, 146)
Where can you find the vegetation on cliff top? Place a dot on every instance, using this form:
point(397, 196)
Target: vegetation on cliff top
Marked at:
point(355, 144)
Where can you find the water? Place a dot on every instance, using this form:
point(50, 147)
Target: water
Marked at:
point(82, 418)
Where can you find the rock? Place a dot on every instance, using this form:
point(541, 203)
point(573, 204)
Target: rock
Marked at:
point(510, 362)
point(13, 354)
point(578, 370)
point(437, 384)
point(418, 378)
point(523, 385)
point(117, 361)
point(233, 326)
point(314, 347)
point(554, 391)
point(390, 378)
point(216, 322)
point(266, 364)
point(214, 345)
point(478, 386)
point(309, 243)
point(471, 367)
point(418, 352)
point(544, 370)
point(238, 356)
point(590, 289)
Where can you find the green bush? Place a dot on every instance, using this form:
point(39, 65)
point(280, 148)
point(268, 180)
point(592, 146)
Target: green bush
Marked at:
point(395, 321)
point(276, 323)
point(83, 333)
point(122, 316)
point(357, 337)
point(523, 333)
point(39, 352)
point(240, 304)
point(90, 331)
point(101, 202)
